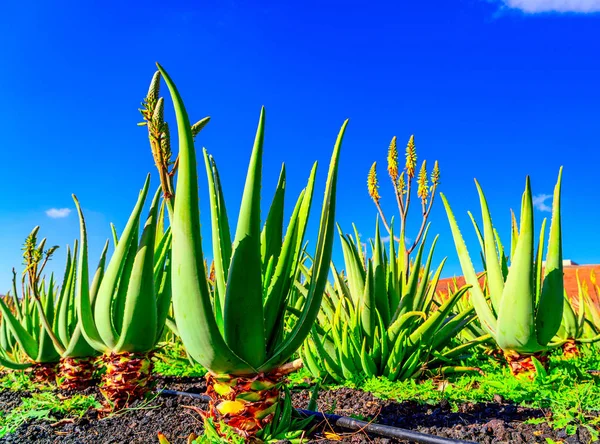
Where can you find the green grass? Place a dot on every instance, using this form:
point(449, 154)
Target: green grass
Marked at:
point(21, 381)
point(45, 406)
point(172, 360)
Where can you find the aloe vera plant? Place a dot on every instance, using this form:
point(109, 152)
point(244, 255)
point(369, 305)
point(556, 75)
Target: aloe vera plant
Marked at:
point(237, 331)
point(8, 344)
point(77, 357)
point(572, 329)
point(26, 342)
point(526, 301)
point(576, 328)
point(56, 314)
point(590, 296)
point(127, 317)
point(375, 324)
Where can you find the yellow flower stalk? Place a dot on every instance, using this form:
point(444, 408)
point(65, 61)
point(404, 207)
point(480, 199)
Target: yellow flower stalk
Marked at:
point(423, 186)
point(411, 157)
point(165, 145)
point(402, 184)
point(372, 183)
point(392, 160)
point(153, 90)
point(435, 175)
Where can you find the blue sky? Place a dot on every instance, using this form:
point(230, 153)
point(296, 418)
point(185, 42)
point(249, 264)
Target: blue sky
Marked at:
point(493, 90)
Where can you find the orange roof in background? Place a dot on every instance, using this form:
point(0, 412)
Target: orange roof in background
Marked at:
point(570, 275)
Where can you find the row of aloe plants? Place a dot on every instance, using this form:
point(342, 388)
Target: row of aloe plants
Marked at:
point(266, 301)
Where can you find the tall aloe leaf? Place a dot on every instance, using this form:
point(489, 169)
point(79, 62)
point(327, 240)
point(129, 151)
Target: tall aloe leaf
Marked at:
point(368, 311)
point(98, 275)
point(66, 300)
point(537, 282)
point(191, 299)
point(409, 291)
point(355, 269)
point(115, 236)
point(25, 340)
point(492, 263)
point(160, 223)
point(120, 297)
point(83, 299)
point(243, 300)
point(69, 268)
point(163, 298)
point(379, 277)
point(272, 233)
point(139, 318)
point(420, 298)
point(103, 313)
point(516, 326)
point(487, 317)
point(221, 236)
point(283, 274)
point(46, 350)
point(549, 313)
point(15, 295)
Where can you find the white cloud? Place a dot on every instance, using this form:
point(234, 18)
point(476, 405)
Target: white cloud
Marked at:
point(407, 240)
point(58, 213)
point(539, 202)
point(535, 6)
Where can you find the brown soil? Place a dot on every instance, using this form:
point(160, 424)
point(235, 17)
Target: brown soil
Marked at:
point(497, 422)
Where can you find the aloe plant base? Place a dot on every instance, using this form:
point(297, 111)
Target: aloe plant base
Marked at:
point(570, 349)
point(522, 365)
point(75, 373)
point(244, 404)
point(43, 373)
point(128, 377)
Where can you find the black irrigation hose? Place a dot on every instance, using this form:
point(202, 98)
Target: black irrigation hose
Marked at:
point(353, 424)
